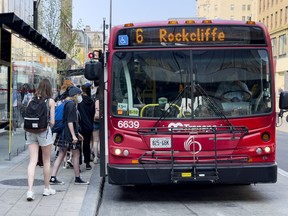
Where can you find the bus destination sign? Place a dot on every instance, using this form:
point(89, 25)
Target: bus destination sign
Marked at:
point(190, 36)
point(200, 35)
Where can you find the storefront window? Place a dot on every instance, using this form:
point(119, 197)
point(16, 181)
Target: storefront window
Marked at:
point(29, 65)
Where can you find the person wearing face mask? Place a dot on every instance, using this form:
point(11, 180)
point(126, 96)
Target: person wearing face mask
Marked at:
point(72, 137)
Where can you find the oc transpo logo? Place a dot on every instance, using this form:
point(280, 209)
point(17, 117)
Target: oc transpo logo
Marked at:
point(191, 145)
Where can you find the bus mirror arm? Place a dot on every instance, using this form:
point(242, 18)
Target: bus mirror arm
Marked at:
point(281, 113)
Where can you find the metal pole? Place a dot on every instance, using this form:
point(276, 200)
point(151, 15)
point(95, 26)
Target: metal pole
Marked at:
point(35, 15)
point(104, 27)
point(110, 16)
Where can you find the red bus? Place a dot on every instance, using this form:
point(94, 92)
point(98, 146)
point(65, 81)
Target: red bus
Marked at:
point(188, 101)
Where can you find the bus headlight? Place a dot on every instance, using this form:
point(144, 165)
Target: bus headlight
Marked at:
point(117, 151)
point(259, 150)
point(125, 152)
point(267, 149)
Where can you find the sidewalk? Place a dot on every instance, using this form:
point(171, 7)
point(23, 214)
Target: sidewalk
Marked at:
point(69, 200)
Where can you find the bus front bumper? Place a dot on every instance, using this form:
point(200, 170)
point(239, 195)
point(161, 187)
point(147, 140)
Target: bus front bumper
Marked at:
point(164, 174)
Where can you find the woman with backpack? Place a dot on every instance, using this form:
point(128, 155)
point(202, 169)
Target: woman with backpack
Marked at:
point(71, 138)
point(41, 139)
point(63, 93)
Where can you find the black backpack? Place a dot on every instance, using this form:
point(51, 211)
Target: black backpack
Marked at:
point(37, 115)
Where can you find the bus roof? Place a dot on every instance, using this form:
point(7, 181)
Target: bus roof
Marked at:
point(199, 32)
point(182, 22)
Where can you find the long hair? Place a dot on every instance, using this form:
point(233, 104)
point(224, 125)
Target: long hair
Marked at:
point(44, 89)
point(67, 83)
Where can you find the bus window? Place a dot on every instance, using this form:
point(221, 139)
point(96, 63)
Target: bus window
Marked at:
point(143, 80)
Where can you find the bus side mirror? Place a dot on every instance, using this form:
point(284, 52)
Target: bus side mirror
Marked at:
point(93, 70)
point(283, 100)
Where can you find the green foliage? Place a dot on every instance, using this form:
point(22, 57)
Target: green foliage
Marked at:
point(55, 23)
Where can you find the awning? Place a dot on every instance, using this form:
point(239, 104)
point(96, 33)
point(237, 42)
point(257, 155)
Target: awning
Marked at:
point(18, 26)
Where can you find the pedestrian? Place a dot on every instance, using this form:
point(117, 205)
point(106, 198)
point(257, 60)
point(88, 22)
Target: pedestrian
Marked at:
point(72, 137)
point(96, 123)
point(42, 139)
point(63, 93)
point(86, 110)
point(58, 100)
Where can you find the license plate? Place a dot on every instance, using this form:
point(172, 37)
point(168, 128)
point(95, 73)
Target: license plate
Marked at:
point(160, 142)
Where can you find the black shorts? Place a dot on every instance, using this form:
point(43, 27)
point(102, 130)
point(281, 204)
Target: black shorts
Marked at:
point(65, 144)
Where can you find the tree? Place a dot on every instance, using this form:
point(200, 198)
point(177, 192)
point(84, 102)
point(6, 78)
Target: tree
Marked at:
point(55, 24)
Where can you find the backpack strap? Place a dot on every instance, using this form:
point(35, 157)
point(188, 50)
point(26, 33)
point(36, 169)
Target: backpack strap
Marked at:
point(48, 115)
point(64, 120)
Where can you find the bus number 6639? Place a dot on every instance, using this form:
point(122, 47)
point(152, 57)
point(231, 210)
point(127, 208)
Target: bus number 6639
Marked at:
point(128, 124)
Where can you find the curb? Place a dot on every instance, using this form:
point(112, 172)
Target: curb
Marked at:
point(93, 196)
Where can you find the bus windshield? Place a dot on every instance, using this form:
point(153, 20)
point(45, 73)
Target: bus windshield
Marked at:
point(191, 83)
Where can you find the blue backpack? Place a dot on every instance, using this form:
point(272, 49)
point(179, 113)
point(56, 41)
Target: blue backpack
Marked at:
point(59, 114)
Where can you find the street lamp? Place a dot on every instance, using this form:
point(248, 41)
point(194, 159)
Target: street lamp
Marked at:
point(110, 16)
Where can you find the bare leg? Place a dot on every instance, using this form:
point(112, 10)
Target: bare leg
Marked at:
point(33, 153)
point(46, 154)
point(96, 141)
point(58, 161)
point(76, 166)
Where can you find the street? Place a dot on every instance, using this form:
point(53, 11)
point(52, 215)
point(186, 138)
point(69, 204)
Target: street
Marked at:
point(203, 200)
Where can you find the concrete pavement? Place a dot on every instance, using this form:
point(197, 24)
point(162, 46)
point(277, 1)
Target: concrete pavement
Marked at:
point(69, 200)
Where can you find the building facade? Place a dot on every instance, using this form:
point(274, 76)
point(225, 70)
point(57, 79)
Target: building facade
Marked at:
point(87, 41)
point(274, 14)
point(227, 9)
point(26, 57)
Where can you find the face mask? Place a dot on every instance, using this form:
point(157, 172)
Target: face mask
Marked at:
point(79, 99)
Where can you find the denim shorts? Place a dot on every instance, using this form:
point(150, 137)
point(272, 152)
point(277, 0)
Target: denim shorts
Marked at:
point(96, 126)
point(44, 138)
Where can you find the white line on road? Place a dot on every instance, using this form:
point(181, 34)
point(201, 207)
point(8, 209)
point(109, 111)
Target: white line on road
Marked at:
point(282, 172)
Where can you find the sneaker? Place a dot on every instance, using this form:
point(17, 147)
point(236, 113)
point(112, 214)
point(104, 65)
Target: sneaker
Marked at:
point(88, 166)
point(79, 181)
point(49, 191)
point(30, 196)
point(70, 163)
point(55, 181)
point(95, 161)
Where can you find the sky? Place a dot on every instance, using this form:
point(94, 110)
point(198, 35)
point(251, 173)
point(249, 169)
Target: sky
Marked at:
point(92, 12)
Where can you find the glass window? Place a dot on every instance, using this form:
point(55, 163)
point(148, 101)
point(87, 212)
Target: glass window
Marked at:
point(286, 14)
point(191, 84)
point(274, 46)
point(232, 7)
point(3, 95)
point(29, 66)
point(282, 45)
point(243, 7)
point(281, 16)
